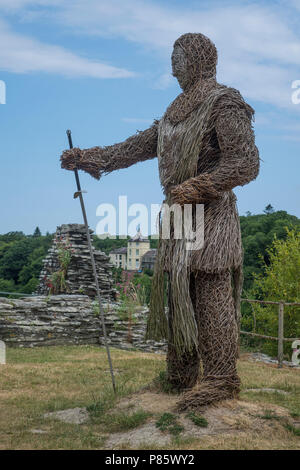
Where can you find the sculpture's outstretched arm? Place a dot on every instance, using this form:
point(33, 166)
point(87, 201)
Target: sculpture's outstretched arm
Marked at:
point(238, 165)
point(100, 160)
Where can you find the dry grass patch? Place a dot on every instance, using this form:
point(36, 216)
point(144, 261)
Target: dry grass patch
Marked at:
point(230, 423)
point(40, 380)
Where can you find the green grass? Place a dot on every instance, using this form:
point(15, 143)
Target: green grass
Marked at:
point(260, 375)
point(293, 429)
point(269, 414)
point(162, 384)
point(123, 421)
point(101, 412)
point(168, 422)
point(97, 409)
point(39, 380)
point(197, 419)
point(176, 429)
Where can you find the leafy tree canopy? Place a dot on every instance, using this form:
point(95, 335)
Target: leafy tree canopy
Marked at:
point(21, 255)
point(258, 233)
point(37, 232)
point(278, 280)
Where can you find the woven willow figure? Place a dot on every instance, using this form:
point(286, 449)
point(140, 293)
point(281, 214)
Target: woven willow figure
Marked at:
point(205, 147)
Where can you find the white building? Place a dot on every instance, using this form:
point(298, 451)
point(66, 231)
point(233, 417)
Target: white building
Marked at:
point(130, 258)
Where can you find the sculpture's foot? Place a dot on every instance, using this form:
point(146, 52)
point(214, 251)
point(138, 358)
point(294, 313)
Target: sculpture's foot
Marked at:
point(181, 382)
point(162, 383)
point(209, 391)
point(182, 369)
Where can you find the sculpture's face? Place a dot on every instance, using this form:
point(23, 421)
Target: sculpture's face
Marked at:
point(180, 66)
point(194, 59)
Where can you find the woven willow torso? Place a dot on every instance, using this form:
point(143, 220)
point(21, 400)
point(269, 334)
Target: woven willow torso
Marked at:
point(185, 150)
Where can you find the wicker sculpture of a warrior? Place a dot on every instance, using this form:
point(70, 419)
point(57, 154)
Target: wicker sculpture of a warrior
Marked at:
point(205, 147)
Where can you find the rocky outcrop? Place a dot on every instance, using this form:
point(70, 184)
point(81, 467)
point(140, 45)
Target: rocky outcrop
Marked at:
point(47, 321)
point(79, 276)
point(71, 319)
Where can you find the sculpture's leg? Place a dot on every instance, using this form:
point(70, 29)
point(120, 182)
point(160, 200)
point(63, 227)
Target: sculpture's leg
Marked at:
point(182, 369)
point(218, 341)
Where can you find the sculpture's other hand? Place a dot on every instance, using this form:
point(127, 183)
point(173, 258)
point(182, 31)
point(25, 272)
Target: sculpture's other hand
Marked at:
point(76, 158)
point(179, 195)
point(197, 190)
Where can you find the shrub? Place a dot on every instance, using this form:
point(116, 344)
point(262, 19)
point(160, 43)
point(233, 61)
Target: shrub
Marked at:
point(278, 281)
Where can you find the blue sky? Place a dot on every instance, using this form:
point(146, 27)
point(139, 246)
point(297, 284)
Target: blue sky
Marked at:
point(102, 69)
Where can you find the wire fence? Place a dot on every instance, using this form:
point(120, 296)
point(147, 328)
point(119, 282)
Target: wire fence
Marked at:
point(17, 294)
point(280, 338)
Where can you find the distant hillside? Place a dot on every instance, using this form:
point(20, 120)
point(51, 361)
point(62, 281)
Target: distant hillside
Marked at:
point(21, 255)
point(108, 244)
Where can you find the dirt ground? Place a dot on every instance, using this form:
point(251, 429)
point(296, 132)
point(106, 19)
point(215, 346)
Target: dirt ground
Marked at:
point(225, 419)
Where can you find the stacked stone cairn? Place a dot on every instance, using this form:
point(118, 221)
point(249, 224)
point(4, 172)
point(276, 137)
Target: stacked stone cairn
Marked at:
point(79, 277)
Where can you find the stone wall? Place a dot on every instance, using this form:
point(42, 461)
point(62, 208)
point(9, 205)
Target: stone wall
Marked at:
point(70, 319)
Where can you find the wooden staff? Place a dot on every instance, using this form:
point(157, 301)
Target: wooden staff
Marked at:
point(79, 194)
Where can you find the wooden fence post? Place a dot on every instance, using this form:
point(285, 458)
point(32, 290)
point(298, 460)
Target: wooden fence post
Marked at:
point(280, 333)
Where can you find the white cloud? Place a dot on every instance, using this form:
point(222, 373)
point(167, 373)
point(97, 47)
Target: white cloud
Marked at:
point(21, 54)
point(259, 49)
point(164, 81)
point(278, 125)
point(257, 30)
point(14, 5)
point(258, 43)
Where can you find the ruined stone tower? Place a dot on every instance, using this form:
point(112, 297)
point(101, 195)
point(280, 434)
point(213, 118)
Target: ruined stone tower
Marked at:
point(67, 267)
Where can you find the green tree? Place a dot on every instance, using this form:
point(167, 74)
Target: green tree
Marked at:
point(269, 209)
point(15, 258)
point(21, 258)
point(7, 285)
point(37, 232)
point(108, 244)
point(258, 233)
point(12, 237)
point(30, 286)
point(279, 280)
point(33, 266)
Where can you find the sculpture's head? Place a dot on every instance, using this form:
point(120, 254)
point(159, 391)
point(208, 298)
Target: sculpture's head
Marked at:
point(194, 57)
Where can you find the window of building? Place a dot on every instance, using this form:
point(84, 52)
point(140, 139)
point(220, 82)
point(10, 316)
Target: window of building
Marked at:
point(137, 252)
point(130, 251)
point(137, 263)
point(137, 243)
